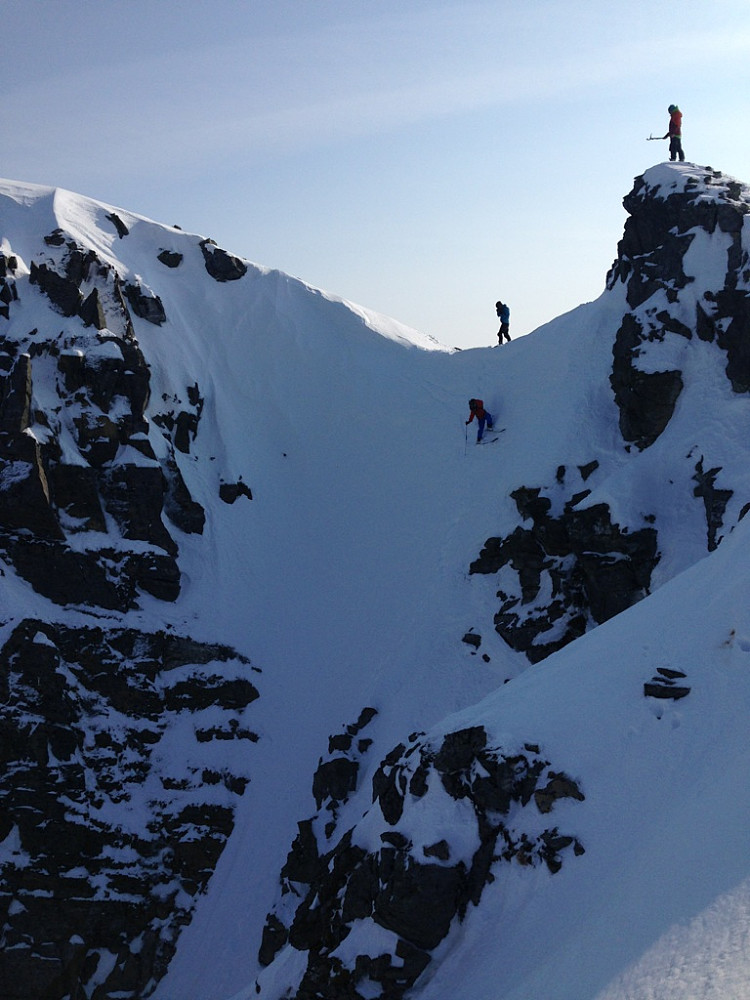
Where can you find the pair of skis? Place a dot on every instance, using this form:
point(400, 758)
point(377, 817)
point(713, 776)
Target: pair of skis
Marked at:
point(490, 440)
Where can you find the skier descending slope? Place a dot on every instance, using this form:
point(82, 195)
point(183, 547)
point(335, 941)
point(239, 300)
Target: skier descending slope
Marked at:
point(476, 406)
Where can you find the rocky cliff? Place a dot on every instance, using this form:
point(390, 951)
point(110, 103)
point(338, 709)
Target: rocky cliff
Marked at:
point(117, 789)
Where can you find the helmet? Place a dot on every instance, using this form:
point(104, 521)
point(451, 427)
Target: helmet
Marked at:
point(672, 107)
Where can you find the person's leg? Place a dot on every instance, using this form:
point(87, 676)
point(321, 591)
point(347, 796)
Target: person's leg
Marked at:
point(480, 428)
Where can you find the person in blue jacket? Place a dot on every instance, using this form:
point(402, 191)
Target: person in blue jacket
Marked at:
point(504, 313)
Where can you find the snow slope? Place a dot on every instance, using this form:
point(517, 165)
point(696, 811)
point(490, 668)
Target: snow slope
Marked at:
point(345, 579)
point(657, 907)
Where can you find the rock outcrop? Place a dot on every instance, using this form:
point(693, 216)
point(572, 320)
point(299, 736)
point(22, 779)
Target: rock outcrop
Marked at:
point(123, 752)
point(561, 575)
point(663, 224)
point(117, 796)
point(412, 887)
point(76, 442)
point(222, 266)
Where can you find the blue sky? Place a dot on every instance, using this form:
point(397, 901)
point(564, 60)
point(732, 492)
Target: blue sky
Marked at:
point(420, 158)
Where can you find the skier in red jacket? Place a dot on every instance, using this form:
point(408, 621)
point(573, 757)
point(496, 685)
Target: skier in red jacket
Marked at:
point(674, 133)
point(476, 408)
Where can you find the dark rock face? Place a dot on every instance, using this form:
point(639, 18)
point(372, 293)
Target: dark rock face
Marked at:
point(646, 400)
point(659, 232)
point(102, 385)
point(60, 290)
point(562, 574)
point(108, 829)
point(180, 418)
point(8, 290)
point(414, 891)
point(119, 762)
point(714, 500)
point(123, 753)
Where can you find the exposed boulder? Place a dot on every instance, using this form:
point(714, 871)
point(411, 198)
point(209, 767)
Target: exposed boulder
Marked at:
point(134, 496)
point(92, 311)
point(120, 227)
point(145, 304)
point(222, 266)
point(170, 258)
point(181, 418)
point(665, 685)
point(230, 492)
point(55, 239)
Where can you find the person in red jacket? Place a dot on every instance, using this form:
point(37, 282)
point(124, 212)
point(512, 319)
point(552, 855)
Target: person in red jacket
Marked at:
point(476, 408)
point(674, 133)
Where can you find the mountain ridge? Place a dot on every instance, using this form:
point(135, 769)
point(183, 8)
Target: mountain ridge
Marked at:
point(317, 515)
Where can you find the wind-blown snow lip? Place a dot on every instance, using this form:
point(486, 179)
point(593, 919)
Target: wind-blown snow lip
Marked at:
point(24, 192)
point(387, 327)
point(28, 193)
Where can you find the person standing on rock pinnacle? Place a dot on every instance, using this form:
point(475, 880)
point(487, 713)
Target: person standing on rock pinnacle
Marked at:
point(674, 133)
point(504, 313)
point(476, 409)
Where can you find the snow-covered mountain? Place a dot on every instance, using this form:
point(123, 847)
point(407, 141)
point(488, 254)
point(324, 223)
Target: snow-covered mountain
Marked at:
point(308, 695)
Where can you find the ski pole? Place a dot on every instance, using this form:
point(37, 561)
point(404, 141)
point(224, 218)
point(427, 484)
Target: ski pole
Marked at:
point(652, 137)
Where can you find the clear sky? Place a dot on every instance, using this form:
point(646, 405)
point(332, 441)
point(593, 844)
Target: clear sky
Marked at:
point(420, 157)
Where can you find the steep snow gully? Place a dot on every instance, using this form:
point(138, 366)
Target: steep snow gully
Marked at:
point(305, 694)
